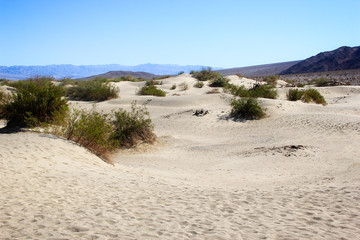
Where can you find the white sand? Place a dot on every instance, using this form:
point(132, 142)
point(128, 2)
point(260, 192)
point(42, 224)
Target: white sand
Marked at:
point(206, 178)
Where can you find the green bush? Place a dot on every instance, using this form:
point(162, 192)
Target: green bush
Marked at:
point(295, 94)
point(262, 91)
point(323, 82)
point(246, 108)
point(130, 128)
point(205, 74)
point(271, 80)
point(313, 95)
point(173, 87)
point(35, 102)
point(199, 84)
point(308, 95)
point(219, 81)
point(92, 90)
point(151, 90)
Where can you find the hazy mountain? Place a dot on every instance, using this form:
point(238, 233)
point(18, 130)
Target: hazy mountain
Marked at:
point(72, 71)
point(259, 70)
point(117, 74)
point(343, 58)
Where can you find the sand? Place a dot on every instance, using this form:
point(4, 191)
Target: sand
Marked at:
point(292, 175)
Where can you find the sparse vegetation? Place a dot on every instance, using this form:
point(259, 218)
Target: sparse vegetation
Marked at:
point(199, 84)
point(92, 90)
point(206, 74)
point(213, 91)
point(151, 90)
point(271, 80)
point(324, 82)
point(181, 72)
point(36, 102)
point(246, 108)
point(262, 91)
point(130, 128)
point(219, 81)
point(183, 86)
point(173, 87)
point(313, 95)
point(102, 133)
point(309, 95)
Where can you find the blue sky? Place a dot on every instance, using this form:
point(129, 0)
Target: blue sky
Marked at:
point(224, 33)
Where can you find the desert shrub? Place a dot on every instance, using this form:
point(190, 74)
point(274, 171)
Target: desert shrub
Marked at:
point(239, 75)
point(205, 74)
point(322, 82)
point(308, 95)
point(313, 95)
point(68, 81)
point(161, 77)
point(173, 87)
point(263, 91)
point(92, 90)
point(153, 82)
point(219, 81)
point(199, 84)
point(300, 85)
point(151, 90)
point(181, 72)
point(184, 86)
point(246, 108)
point(213, 91)
point(294, 94)
point(130, 128)
point(90, 129)
point(271, 79)
point(34, 103)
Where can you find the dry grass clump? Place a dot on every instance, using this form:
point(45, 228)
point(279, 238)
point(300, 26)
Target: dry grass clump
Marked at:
point(213, 91)
point(246, 108)
point(271, 79)
point(173, 87)
point(36, 101)
point(92, 90)
point(183, 86)
point(199, 84)
point(308, 95)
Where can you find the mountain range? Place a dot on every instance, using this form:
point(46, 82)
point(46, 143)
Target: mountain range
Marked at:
point(343, 58)
point(72, 71)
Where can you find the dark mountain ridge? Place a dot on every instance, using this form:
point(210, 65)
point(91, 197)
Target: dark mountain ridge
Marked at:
point(118, 74)
point(343, 58)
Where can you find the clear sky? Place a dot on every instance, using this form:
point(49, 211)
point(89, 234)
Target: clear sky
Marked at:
point(223, 33)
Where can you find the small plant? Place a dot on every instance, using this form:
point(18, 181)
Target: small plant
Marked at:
point(181, 72)
point(271, 80)
point(199, 84)
point(300, 85)
point(295, 94)
point(173, 87)
point(246, 108)
point(151, 90)
point(92, 90)
point(323, 82)
point(219, 81)
point(262, 91)
point(313, 95)
point(153, 82)
point(309, 95)
point(133, 127)
point(36, 102)
point(213, 91)
point(184, 86)
point(205, 74)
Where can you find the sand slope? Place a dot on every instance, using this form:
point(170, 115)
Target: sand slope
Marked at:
point(292, 175)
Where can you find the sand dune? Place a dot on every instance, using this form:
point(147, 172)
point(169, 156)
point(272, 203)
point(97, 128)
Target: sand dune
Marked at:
point(292, 175)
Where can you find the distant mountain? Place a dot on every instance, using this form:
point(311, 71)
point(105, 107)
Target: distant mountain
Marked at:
point(118, 74)
point(72, 71)
point(259, 70)
point(343, 58)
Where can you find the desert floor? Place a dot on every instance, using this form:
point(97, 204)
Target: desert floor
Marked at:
point(292, 175)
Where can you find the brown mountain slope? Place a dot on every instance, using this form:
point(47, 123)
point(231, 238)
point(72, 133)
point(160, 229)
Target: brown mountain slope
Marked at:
point(117, 74)
point(342, 58)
